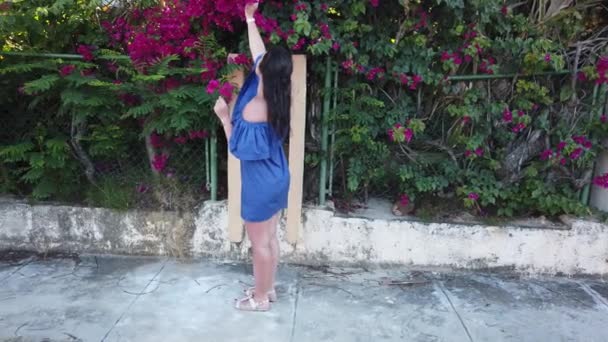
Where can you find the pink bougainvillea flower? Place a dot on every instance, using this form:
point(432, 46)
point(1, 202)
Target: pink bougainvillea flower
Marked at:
point(466, 119)
point(473, 196)
point(374, 73)
point(535, 107)
point(587, 144)
point(156, 140)
point(457, 59)
point(504, 10)
point(468, 58)
point(579, 139)
point(141, 188)
point(375, 3)
point(86, 52)
point(240, 59)
point(335, 46)
point(129, 99)
point(87, 72)
point(180, 140)
point(198, 134)
point(325, 30)
point(507, 116)
point(422, 20)
point(546, 154)
point(416, 80)
point(548, 57)
point(468, 153)
point(603, 118)
point(519, 127)
point(112, 67)
point(404, 200)
point(213, 86)
point(601, 181)
point(391, 135)
point(160, 162)
point(409, 134)
point(602, 70)
point(561, 146)
point(445, 56)
point(347, 64)
point(576, 153)
point(563, 161)
point(66, 70)
point(300, 44)
point(226, 91)
point(581, 76)
point(479, 151)
point(520, 113)
point(172, 83)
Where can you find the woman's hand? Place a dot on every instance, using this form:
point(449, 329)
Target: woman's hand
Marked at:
point(250, 9)
point(222, 111)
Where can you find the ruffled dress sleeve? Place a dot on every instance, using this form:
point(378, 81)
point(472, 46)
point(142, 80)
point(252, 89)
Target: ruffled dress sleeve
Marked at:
point(250, 141)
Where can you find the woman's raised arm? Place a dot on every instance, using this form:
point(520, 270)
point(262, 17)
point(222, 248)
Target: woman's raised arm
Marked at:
point(256, 44)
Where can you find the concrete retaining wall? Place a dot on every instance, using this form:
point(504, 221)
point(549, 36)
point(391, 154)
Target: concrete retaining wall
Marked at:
point(325, 238)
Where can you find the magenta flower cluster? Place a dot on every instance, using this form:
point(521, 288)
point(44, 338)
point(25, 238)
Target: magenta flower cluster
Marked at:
point(407, 132)
point(577, 148)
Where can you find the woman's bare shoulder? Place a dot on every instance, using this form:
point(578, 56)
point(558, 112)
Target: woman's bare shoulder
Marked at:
point(256, 110)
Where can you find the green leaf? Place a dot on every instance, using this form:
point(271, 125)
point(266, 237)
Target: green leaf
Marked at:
point(17, 152)
point(565, 93)
point(44, 83)
point(141, 110)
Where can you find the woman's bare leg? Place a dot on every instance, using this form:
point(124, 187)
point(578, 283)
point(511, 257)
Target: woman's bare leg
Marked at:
point(263, 262)
point(274, 246)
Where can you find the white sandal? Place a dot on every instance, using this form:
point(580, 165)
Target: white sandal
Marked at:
point(250, 304)
point(272, 294)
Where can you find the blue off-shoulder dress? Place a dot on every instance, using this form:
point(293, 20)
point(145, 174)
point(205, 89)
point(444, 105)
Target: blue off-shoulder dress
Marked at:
point(264, 168)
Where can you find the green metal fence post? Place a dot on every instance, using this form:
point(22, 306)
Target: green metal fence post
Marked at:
point(213, 159)
point(207, 165)
point(586, 191)
point(324, 133)
point(333, 136)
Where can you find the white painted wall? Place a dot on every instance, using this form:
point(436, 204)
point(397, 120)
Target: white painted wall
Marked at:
point(325, 239)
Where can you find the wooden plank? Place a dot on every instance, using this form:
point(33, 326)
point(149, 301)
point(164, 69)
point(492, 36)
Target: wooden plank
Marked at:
point(235, 223)
point(296, 147)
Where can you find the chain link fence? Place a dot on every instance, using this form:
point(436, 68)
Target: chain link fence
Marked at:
point(142, 171)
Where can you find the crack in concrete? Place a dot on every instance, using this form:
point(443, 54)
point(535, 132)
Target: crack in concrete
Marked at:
point(17, 270)
point(294, 317)
point(74, 338)
point(594, 294)
point(19, 328)
point(445, 293)
point(565, 295)
point(214, 287)
point(134, 300)
point(333, 287)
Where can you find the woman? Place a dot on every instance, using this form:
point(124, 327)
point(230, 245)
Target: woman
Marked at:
point(260, 123)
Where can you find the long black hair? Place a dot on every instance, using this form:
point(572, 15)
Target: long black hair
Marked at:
point(276, 68)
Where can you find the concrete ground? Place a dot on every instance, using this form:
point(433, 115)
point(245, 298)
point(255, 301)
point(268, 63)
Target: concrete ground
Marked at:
point(92, 298)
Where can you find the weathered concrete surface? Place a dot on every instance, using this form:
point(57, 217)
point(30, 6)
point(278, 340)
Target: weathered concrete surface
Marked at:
point(326, 238)
point(158, 299)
